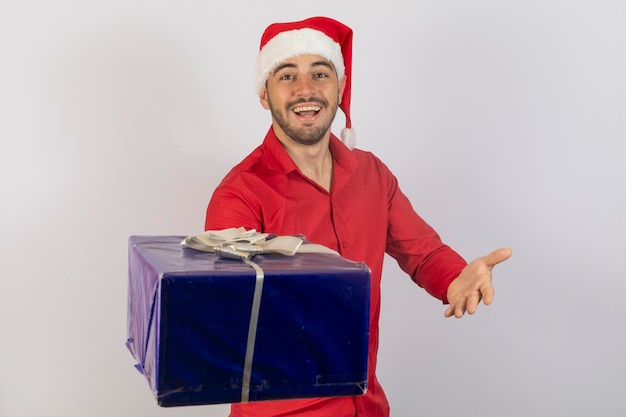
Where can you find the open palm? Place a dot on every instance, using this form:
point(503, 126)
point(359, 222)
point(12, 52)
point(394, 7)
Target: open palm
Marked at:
point(474, 284)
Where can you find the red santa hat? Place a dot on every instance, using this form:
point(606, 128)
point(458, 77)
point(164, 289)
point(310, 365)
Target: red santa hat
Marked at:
point(321, 36)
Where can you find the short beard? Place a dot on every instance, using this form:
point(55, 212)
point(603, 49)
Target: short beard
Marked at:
point(303, 135)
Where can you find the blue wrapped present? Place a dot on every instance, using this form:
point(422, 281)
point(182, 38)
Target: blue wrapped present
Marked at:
point(206, 330)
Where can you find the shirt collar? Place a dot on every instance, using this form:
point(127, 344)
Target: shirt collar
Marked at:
point(278, 158)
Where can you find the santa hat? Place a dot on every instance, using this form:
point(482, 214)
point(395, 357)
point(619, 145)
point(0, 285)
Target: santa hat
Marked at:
point(321, 36)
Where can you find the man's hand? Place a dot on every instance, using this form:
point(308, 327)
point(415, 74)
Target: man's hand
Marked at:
point(473, 284)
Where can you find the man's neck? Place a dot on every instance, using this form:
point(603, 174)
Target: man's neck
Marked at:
point(314, 161)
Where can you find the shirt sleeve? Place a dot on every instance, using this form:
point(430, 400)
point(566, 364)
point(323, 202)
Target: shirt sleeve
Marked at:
point(232, 207)
point(417, 247)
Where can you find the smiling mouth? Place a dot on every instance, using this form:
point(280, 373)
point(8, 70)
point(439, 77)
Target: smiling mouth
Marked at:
point(307, 111)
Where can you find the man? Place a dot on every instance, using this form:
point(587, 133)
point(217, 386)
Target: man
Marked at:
point(304, 180)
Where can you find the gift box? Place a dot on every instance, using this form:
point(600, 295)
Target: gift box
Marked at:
point(206, 330)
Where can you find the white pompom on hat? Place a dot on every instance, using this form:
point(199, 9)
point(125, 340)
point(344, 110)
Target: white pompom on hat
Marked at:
point(321, 36)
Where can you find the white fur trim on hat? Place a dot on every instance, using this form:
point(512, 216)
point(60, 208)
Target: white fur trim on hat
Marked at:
point(348, 137)
point(293, 43)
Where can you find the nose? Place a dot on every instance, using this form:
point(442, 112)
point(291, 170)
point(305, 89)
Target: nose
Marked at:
point(304, 85)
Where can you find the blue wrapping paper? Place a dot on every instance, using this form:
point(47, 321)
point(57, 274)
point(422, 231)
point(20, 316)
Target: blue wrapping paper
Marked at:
point(189, 315)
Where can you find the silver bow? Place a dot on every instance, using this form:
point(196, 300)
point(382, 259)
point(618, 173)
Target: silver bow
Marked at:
point(239, 243)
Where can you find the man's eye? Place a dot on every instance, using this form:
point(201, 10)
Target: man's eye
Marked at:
point(286, 77)
point(321, 75)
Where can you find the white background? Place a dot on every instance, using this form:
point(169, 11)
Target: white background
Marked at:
point(503, 120)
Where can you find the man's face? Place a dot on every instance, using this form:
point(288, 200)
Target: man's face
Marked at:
point(303, 94)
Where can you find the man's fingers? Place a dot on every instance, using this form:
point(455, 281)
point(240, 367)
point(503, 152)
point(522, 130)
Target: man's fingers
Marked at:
point(455, 310)
point(472, 302)
point(497, 256)
point(487, 294)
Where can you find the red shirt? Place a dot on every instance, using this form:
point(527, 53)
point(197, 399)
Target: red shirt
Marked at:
point(364, 216)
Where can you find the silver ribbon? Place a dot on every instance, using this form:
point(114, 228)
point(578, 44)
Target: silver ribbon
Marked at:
point(233, 252)
point(254, 320)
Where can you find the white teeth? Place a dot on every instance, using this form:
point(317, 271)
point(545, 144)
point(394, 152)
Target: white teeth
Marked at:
point(307, 108)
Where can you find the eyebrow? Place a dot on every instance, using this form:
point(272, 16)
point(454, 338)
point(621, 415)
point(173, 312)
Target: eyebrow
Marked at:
point(314, 64)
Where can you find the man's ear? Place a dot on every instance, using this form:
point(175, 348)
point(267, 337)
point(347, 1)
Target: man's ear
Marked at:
point(342, 86)
point(264, 99)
